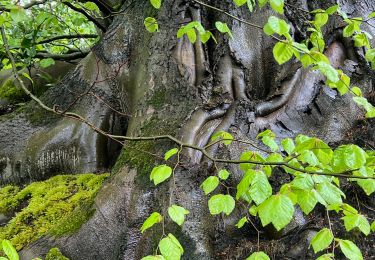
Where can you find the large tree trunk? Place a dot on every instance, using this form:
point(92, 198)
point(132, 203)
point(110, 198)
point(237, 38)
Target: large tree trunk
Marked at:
point(170, 86)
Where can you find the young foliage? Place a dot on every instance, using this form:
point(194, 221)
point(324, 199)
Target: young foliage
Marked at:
point(221, 203)
point(9, 250)
point(177, 214)
point(278, 210)
point(160, 173)
point(151, 24)
point(350, 250)
point(170, 248)
point(258, 256)
point(153, 219)
point(322, 240)
point(210, 184)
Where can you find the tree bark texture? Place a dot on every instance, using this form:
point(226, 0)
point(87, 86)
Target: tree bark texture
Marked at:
point(170, 86)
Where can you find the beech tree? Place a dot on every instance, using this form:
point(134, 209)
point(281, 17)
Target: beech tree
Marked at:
point(232, 129)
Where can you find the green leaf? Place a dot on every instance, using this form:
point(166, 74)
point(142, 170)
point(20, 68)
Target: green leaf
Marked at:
point(342, 85)
point(250, 5)
point(287, 190)
point(151, 24)
point(348, 157)
point(258, 256)
point(171, 248)
point(28, 77)
point(321, 150)
point(250, 156)
point(244, 184)
point(328, 71)
point(270, 142)
point(288, 145)
point(276, 25)
point(278, 210)
point(308, 157)
point(253, 210)
point(153, 219)
point(210, 184)
point(9, 250)
point(303, 182)
point(350, 250)
point(227, 137)
point(356, 221)
point(239, 2)
point(361, 40)
point(282, 52)
point(321, 19)
point(322, 240)
point(268, 138)
point(206, 36)
point(373, 226)
point(223, 174)
point(260, 188)
point(192, 36)
point(156, 3)
point(356, 91)
point(262, 3)
point(277, 5)
point(330, 193)
point(333, 9)
point(368, 185)
point(275, 157)
point(307, 200)
point(160, 173)
point(221, 203)
point(153, 257)
point(18, 15)
point(326, 257)
point(177, 214)
point(241, 222)
point(223, 28)
point(91, 6)
point(46, 62)
point(170, 153)
point(361, 101)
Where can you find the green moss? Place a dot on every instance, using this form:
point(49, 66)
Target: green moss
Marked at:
point(55, 254)
point(136, 155)
point(12, 92)
point(158, 99)
point(57, 206)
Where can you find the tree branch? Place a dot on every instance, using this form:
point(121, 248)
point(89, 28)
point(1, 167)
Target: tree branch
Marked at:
point(74, 36)
point(68, 56)
point(89, 17)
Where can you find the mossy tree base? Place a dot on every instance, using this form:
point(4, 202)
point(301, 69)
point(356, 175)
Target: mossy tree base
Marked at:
point(57, 206)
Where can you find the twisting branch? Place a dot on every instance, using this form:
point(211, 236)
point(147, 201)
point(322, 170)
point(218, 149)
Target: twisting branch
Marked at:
point(121, 138)
point(89, 17)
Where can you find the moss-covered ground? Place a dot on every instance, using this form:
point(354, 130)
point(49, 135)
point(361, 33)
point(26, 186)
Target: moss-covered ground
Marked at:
point(57, 206)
